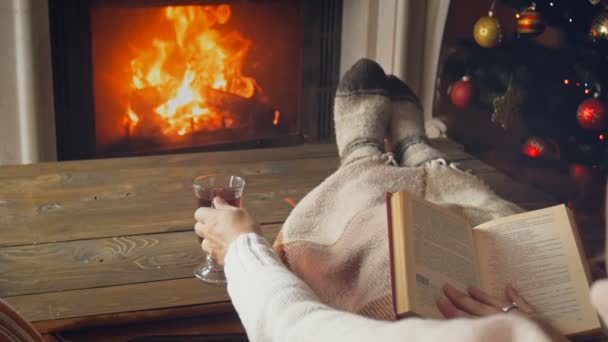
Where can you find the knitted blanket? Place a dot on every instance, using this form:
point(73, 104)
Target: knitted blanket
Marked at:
point(335, 239)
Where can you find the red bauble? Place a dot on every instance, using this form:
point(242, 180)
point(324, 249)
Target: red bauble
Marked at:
point(591, 114)
point(462, 92)
point(534, 147)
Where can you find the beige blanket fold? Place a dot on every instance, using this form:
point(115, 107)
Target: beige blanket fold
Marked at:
point(336, 237)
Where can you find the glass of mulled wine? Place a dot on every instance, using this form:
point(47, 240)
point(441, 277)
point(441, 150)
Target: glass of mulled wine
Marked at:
point(206, 188)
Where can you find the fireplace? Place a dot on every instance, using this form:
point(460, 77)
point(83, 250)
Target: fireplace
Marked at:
point(142, 77)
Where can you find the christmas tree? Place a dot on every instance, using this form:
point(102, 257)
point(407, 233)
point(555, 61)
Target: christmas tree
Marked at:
point(537, 72)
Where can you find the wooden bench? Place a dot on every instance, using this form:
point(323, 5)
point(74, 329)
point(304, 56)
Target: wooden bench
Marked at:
point(109, 242)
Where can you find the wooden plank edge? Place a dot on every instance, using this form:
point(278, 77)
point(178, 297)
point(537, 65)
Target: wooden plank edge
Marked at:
point(300, 152)
point(175, 229)
point(216, 325)
point(123, 318)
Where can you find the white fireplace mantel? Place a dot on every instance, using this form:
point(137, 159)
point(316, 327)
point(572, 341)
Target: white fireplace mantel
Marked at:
point(27, 131)
point(404, 36)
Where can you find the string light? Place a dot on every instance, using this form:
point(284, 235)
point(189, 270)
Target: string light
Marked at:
point(587, 91)
point(602, 137)
point(570, 19)
point(566, 81)
point(551, 4)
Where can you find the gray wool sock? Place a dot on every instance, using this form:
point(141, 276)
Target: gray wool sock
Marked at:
point(406, 129)
point(361, 111)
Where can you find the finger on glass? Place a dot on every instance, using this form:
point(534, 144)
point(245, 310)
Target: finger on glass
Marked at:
point(198, 229)
point(206, 189)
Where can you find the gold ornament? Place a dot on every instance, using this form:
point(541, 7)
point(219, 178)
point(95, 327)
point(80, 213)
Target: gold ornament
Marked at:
point(507, 107)
point(487, 31)
point(599, 27)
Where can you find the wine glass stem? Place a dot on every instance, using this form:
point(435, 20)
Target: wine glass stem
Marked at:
point(212, 264)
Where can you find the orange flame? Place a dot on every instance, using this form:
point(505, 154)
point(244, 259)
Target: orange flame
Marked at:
point(174, 80)
point(131, 120)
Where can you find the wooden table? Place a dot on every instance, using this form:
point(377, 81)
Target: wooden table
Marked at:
point(110, 241)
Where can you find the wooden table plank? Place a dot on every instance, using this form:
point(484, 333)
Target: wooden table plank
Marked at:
point(113, 203)
point(307, 151)
point(123, 298)
point(133, 296)
point(134, 317)
point(175, 329)
point(514, 191)
point(105, 262)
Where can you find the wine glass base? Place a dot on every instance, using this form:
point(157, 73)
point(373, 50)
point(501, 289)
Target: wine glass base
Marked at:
point(213, 276)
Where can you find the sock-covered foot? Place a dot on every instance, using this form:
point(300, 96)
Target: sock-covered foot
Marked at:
point(361, 111)
point(406, 128)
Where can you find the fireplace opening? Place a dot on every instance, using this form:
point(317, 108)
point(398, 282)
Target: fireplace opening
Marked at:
point(181, 76)
point(143, 77)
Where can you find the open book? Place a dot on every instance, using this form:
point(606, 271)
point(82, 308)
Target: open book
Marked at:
point(538, 252)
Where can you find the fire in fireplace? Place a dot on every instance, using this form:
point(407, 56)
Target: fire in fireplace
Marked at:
point(194, 75)
point(155, 76)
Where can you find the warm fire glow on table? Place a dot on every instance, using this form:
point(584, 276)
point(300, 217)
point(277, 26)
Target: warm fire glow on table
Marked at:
point(190, 82)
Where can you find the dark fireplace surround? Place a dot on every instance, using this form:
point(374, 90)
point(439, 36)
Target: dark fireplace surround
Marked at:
point(73, 79)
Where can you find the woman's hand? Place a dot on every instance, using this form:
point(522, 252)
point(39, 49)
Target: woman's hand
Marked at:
point(221, 225)
point(479, 303)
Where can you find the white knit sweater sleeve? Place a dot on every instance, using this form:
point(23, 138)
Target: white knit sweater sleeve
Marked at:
point(276, 306)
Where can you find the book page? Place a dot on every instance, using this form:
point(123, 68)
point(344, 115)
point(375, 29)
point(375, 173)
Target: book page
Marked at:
point(537, 253)
point(443, 252)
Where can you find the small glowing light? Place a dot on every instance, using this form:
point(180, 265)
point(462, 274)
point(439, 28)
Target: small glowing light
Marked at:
point(570, 19)
point(566, 81)
point(533, 151)
point(581, 173)
point(586, 84)
point(578, 84)
point(602, 137)
point(604, 29)
point(551, 4)
point(517, 15)
point(587, 91)
point(277, 116)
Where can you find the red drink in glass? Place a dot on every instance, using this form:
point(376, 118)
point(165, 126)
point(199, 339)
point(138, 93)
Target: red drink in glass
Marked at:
point(206, 188)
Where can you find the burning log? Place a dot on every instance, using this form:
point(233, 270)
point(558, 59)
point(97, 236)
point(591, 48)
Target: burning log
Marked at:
point(248, 112)
point(142, 104)
point(220, 110)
